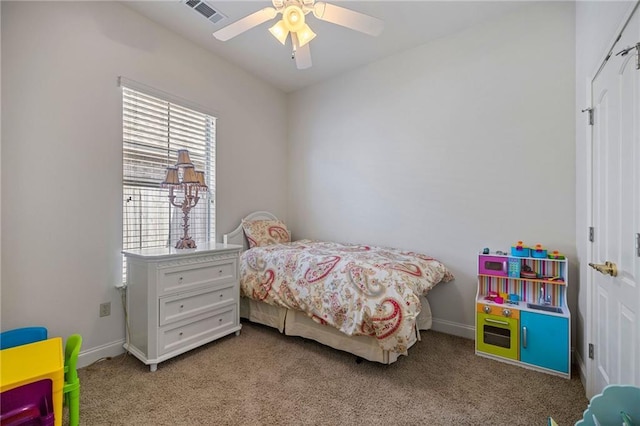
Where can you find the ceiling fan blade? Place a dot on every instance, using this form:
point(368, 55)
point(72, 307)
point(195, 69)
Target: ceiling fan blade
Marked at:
point(348, 18)
point(302, 54)
point(245, 24)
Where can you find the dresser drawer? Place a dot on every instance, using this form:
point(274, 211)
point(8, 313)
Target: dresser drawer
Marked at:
point(185, 305)
point(175, 337)
point(183, 278)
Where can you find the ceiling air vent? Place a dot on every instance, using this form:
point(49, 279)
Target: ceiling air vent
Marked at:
point(205, 10)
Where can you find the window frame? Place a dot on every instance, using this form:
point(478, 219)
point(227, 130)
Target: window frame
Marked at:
point(145, 161)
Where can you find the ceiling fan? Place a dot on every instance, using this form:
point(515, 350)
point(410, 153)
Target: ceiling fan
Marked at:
point(293, 22)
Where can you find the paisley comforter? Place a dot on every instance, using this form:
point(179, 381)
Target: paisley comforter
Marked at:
point(358, 289)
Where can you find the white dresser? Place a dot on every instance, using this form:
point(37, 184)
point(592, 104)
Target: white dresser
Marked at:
point(178, 300)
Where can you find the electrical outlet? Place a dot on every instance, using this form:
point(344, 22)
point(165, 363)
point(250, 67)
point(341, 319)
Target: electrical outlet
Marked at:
point(105, 309)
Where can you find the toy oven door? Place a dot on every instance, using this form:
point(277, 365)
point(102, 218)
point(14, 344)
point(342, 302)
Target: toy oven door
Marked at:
point(498, 335)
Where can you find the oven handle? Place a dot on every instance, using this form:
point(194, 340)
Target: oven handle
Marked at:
point(524, 337)
point(496, 321)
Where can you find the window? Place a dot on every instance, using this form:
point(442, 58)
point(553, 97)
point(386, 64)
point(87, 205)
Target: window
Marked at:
point(153, 130)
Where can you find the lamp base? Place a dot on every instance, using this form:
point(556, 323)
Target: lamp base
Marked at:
point(186, 243)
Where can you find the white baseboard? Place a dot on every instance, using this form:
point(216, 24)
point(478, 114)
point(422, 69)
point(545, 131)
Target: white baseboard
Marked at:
point(582, 369)
point(454, 328)
point(92, 355)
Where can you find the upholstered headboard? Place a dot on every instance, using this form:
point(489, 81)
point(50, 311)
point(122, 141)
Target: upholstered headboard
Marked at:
point(237, 235)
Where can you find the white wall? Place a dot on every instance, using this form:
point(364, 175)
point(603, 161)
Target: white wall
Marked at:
point(62, 154)
point(463, 143)
point(0, 163)
point(597, 25)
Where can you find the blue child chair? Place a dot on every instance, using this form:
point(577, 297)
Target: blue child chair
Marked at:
point(22, 336)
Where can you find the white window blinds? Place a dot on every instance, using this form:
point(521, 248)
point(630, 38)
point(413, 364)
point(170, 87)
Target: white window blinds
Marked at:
point(153, 130)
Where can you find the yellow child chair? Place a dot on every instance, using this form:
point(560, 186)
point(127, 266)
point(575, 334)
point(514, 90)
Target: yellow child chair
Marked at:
point(71, 388)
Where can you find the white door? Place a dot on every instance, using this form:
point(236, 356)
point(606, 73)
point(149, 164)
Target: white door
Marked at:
point(615, 310)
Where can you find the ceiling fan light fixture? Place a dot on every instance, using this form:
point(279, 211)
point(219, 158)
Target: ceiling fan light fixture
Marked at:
point(280, 31)
point(293, 22)
point(293, 18)
point(305, 35)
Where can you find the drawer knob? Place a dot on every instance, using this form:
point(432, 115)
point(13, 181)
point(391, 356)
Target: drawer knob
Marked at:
point(220, 320)
point(181, 306)
point(180, 334)
point(180, 279)
point(221, 295)
point(220, 271)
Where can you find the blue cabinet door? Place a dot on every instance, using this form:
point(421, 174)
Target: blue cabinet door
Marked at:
point(544, 341)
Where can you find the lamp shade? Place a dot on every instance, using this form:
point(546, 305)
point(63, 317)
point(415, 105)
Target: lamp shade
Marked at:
point(172, 177)
point(189, 175)
point(305, 35)
point(183, 158)
point(201, 182)
point(280, 31)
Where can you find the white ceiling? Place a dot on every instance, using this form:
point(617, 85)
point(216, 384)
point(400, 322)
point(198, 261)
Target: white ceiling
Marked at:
point(335, 49)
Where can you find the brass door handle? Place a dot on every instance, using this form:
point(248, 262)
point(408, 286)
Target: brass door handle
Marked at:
point(607, 268)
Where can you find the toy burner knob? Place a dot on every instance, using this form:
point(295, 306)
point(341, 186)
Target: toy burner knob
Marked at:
point(506, 312)
point(487, 309)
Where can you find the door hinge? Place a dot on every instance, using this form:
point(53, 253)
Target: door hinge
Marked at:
point(638, 245)
point(591, 234)
point(624, 52)
point(591, 350)
point(590, 111)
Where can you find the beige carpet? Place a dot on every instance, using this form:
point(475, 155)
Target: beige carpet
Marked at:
point(265, 378)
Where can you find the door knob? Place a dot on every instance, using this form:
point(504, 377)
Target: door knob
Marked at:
point(607, 268)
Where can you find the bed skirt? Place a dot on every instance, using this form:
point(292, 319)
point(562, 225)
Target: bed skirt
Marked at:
point(295, 323)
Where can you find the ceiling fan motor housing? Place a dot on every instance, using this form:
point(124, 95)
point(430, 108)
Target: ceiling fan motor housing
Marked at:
point(293, 18)
point(305, 5)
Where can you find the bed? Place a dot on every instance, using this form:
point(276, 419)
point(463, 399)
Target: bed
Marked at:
point(366, 300)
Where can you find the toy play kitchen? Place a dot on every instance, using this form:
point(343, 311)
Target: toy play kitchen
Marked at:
point(521, 308)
